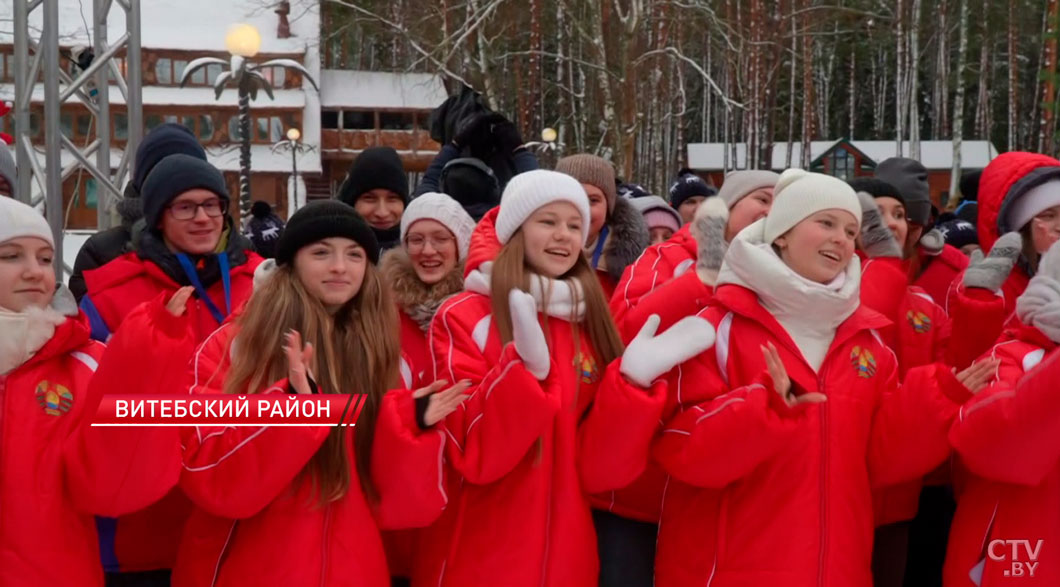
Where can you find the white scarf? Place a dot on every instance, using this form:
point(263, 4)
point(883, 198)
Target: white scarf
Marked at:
point(554, 297)
point(22, 334)
point(810, 312)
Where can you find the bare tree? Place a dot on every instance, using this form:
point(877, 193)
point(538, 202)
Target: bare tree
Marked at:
point(958, 104)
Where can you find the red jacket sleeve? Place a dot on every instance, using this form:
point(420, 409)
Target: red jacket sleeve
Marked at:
point(235, 472)
point(978, 317)
point(507, 410)
point(406, 465)
point(725, 433)
point(616, 435)
point(117, 470)
point(909, 429)
point(884, 285)
point(1010, 432)
point(675, 299)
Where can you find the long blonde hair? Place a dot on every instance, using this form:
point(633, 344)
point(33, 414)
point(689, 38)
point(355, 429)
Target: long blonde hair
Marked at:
point(356, 350)
point(511, 271)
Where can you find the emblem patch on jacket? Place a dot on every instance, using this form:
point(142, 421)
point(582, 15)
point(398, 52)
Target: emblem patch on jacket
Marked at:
point(919, 321)
point(586, 367)
point(54, 399)
point(863, 361)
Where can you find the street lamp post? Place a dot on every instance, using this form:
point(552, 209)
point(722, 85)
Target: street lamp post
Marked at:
point(243, 42)
point(293, 144)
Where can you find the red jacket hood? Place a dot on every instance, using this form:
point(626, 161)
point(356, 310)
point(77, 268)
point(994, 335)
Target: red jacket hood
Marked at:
point(1005, 180)
point(484, 243)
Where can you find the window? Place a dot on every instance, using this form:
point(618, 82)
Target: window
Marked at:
point(152, 121)
point(164, 71)
point(395, 121)
point(233, 129)
point(66, 124)
point(212, 71)
point(34, 124)
point(84, 125)
point(275, 75)
point(198, 78)
point(121, 126)
point(4, 73)
point(329, 119)
point(188, 121)
point(91, 193)
point(276, 129)
point(205, 127)
point(423, 120)
point(171, 118)
point(178, 70)
point(358, 120)
point(262, 124)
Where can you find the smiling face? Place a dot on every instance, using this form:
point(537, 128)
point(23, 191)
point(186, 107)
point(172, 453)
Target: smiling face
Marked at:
point(27, 277)
point(751, 208)
point(597, 210)
point(553, 236)
point(820, 246)
point(192, 223)
point(380, 208)
point(432, 250)
point(1045, 229)
point(331, 270)
point(892, 211)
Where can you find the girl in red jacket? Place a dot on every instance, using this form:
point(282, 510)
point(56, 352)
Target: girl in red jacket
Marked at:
point(797, 413)
point(1007, 526)
point(300, 506)
point(1019, 219)
point(557, 410)
point(424, 271)
point(54, 474)
point(919, 335)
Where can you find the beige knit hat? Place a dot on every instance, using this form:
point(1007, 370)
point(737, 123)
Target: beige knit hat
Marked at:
point(799, 194)
point(592, 170)
point(738, 184)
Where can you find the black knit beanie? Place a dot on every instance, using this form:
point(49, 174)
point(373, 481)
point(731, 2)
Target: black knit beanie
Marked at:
point(324, 219)
point(375, 168)
point(689, 185)
point(164, 140)
point(877, 188)
point(173, 176)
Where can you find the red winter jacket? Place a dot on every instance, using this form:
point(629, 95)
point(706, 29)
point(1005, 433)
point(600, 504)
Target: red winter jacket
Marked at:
point(57, 470)
point(525, 453)
point(761, 494)
point(148, 539)
point(46, 535)
point(638, 295)
point(417, 367)
point(979, 315)
point(940, 272)
point(255, 520)
point(919, 335)
point(1007, 438)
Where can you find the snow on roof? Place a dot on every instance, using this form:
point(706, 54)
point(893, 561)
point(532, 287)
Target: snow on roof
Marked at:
point(198, 25)
point(933, 154)
point(263, 160)
point(377, 89)
point(177, 96)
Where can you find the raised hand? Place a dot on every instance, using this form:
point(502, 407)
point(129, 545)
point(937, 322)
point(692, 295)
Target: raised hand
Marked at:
point(298, 359)
point(527, 335)
point(990, 272)
point(442, 401)
point(876, 239)
point(708, 228)
point(647, 356)
point(977, 376)
point(782, 383)
point(178, 304)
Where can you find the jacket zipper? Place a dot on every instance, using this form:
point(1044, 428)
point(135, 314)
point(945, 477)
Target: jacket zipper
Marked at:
point(824, 479)
point(324, 553)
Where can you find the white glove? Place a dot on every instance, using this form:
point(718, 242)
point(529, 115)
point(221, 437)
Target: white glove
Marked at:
point(648, 357)
point(527, 335)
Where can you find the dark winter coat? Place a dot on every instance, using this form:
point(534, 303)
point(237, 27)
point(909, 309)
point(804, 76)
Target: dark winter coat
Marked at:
point(627, 237)
point(265, 232)
point(107, 245)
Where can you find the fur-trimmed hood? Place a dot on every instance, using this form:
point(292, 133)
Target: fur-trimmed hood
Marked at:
point(413, 297)
point(627, 237)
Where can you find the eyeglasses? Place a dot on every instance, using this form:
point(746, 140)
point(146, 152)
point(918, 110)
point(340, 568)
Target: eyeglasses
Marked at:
point(188, 210)
point(416, 242)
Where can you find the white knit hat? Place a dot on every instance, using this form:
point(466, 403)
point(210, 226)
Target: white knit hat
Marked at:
point(528, 191)
point(800, 194)
point(1032, 203)
point(442, 208)
point(18, 220)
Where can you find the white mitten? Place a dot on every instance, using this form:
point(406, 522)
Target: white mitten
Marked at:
point(648, 357)
point(527, 335)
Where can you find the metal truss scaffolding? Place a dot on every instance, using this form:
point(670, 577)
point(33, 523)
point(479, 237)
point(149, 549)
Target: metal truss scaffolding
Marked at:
point(35, 58)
